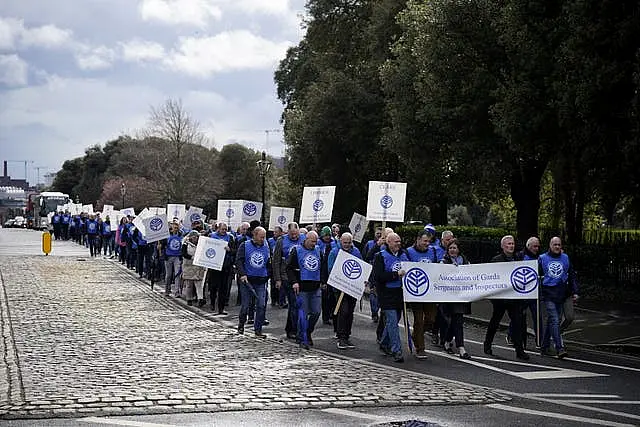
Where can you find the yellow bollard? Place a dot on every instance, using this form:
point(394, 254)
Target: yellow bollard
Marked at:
point(46, 242)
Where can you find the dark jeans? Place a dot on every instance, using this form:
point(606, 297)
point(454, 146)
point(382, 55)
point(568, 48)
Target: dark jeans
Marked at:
point(93, 241)
point(144, 260)
point(514, 309)
point(218, 286)
point(345, 317)
point(292, 312)
point(259, 287)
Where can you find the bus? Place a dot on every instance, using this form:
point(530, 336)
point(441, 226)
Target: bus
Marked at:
point(41, 205)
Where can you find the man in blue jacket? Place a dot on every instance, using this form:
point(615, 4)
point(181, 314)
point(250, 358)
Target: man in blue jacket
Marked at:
point(555, 275)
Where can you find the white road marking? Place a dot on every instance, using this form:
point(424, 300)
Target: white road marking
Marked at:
point(119, 422)
point(615, 402)
point(356, 414)
point(588, 362)
point(551, 372)
point(566, 417)
point(514, 394)
point(569, 396)
point(571, 331)
point(621, 340)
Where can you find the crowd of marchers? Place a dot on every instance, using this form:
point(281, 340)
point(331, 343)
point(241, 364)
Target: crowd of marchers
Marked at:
point(290, 270)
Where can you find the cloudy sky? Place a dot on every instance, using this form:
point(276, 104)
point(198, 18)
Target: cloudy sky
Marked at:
point(74, 73)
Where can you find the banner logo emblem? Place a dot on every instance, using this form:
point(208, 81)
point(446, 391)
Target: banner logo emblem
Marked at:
point(155, 224)
point(282, 219)
point(318, 205)
point(416, 282)
point(210, 253)
point(230, 213)
point(194, 217)
point(358, 227)
point(174, 245)
point(250, 209)
point(524, 280)
point(351, 269)
point(386, 202)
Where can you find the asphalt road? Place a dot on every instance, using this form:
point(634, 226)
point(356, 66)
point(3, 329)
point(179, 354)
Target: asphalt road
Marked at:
point(589, 387)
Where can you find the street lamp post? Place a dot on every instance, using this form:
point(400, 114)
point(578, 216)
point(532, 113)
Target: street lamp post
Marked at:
point(263, 167)
point(123, 192)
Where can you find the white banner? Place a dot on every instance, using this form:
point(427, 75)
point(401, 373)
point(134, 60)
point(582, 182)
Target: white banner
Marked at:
point(358, 226)
point(156, 228)
point(280, 216)
point(386, 201)
point(317, 204)
point(429, 282)
point(175, 210)
point(210, 253)
point(349, 274)
point(230, 211)
point(193, 214)
point(87, 208)
point(128, 211)
point(251, 210)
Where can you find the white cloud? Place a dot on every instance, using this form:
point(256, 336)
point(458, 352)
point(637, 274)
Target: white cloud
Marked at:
point(14, 34)
point(10, 31)
point(141, 50)
point(94, 58)
point(47, 36)
point(271, 7)
point(227, 51)
point(195, 12)
point(13, 70)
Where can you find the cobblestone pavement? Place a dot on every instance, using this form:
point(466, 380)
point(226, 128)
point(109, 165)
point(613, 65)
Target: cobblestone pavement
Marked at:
point(86, 338)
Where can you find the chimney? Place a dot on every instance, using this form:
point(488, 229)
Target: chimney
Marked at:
point(5, 169)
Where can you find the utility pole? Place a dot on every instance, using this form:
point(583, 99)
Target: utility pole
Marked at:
point(37, 168)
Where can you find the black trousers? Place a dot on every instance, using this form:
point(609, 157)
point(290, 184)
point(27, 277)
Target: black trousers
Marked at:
point(218, 287)
point(456, 329)
point(328, 303)
point(514, 309)
point(345, 317)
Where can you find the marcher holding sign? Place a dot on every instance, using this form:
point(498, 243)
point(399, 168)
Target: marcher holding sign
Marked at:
point(349, 275)
point(386, 201)
point(195, 252)
point(317, 204)
point(280, 217)
point(358, 226)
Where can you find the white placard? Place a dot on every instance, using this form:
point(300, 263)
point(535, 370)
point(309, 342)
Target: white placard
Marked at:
point(279, 216)
point(138, 222)
point(251, 211)
point(175, 210)
point(158, 211)
point(386, 201)
point(193, 214)
point(349, 274)
point(128, 212)
point(210, 253)
point(358, 226)
point(317, 204)
point(430, 282)
point(144, 213)
point(78, 208)
point(87, 208)
point(230, 211)
point(59, 208)
point(156, 228)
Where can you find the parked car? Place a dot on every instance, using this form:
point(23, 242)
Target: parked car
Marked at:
point(8, 223)
point(20, 222)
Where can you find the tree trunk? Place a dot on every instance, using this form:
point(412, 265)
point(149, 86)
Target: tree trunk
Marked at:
point(439, 210)
point(525, 192)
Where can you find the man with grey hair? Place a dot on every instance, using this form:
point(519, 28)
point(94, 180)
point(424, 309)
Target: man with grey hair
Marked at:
point(513, 307)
